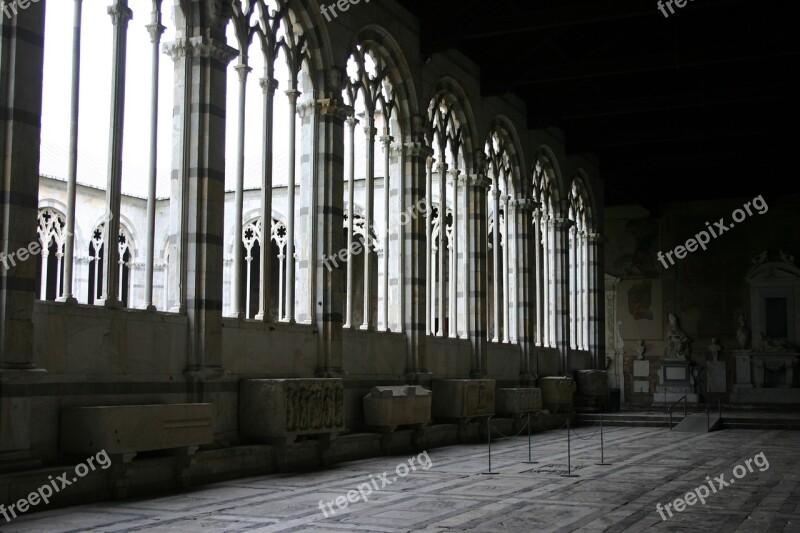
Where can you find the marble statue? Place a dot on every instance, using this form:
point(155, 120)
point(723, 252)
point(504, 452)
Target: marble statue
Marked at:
point(742, 333)
point(641, 349)
point(714, 348)
point(677, 342)
point(777, 345)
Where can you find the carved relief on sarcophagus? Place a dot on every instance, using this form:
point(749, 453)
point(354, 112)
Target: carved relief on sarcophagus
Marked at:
point(283, 409)
point(463, 398)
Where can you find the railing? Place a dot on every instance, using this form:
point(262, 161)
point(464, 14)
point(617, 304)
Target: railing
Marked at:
point(669, 409)
point(708, 413)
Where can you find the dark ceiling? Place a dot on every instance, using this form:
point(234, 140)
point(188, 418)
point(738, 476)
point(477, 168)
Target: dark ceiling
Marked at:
point(702, 104)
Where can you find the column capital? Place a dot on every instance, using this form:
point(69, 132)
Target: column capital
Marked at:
point(369, 130)
point(386, 139)
point(334, 107)
point(268, 85)
point(120, 12)
point(243, 69)
point(524, 204)
point(156, 30)
point(306, 108)
point(293, 95)
point(203, 47)
point(563, 223)
point(416, 149)
point(479, 181)
point(442, 168)
point(596, 238)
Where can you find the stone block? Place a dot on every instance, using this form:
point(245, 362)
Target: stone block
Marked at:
point(641, 369)
point(272, 410)
point(463, 398)
point(389, 407)
point(716, 377)
point(128, 429)
point(513, 401)
point(592, 382)
point(557, 393)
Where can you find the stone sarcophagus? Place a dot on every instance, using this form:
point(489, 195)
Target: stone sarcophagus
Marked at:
point(517, 401)
point(390, 407)
point(463, 398)
point(557, 393)
point(273, 410)
point(592, 382)
point(130, 429)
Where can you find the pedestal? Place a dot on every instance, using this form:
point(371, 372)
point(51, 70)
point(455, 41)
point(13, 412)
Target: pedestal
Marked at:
point(674, 378)
point(744, 380)
point(716, 377)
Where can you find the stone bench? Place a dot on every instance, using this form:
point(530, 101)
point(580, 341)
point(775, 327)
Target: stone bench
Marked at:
point(518, 401)
point(280, 410)
point(463, 398)
point(125, 430)
point(386, 408)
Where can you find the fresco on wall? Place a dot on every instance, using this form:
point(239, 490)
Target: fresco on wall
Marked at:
point(639, 308)
point(640, 245)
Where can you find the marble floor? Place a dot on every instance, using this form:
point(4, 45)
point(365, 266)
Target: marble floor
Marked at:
point(450, 490)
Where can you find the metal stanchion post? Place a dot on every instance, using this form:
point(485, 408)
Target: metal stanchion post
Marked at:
point(529, 461)
point(602, 453)
point(489, 439)
point(569, 454)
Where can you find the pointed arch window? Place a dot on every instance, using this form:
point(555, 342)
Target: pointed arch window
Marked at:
point(371, 132)
point(445, 193)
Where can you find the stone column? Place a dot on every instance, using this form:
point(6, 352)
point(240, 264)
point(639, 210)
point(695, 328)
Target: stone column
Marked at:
point(156, 30)
point(538, 258)
point(268, 87)
point(596, 309)
point(506, 270)
point(369, 219)
point(415, 238)
point(572, 292)
point(329, 155)
point(526, 286)
point(561, 288)
point(72, 171)
point(201, 58)
point(386, 139)
point(291, 191)
point(442, 246)
point(351, 177)
point(243, 70)
point(21, 62)
point(495, 194)
point(454, 314)
point(477, 279)
point(429, 277)
point(120, 16)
